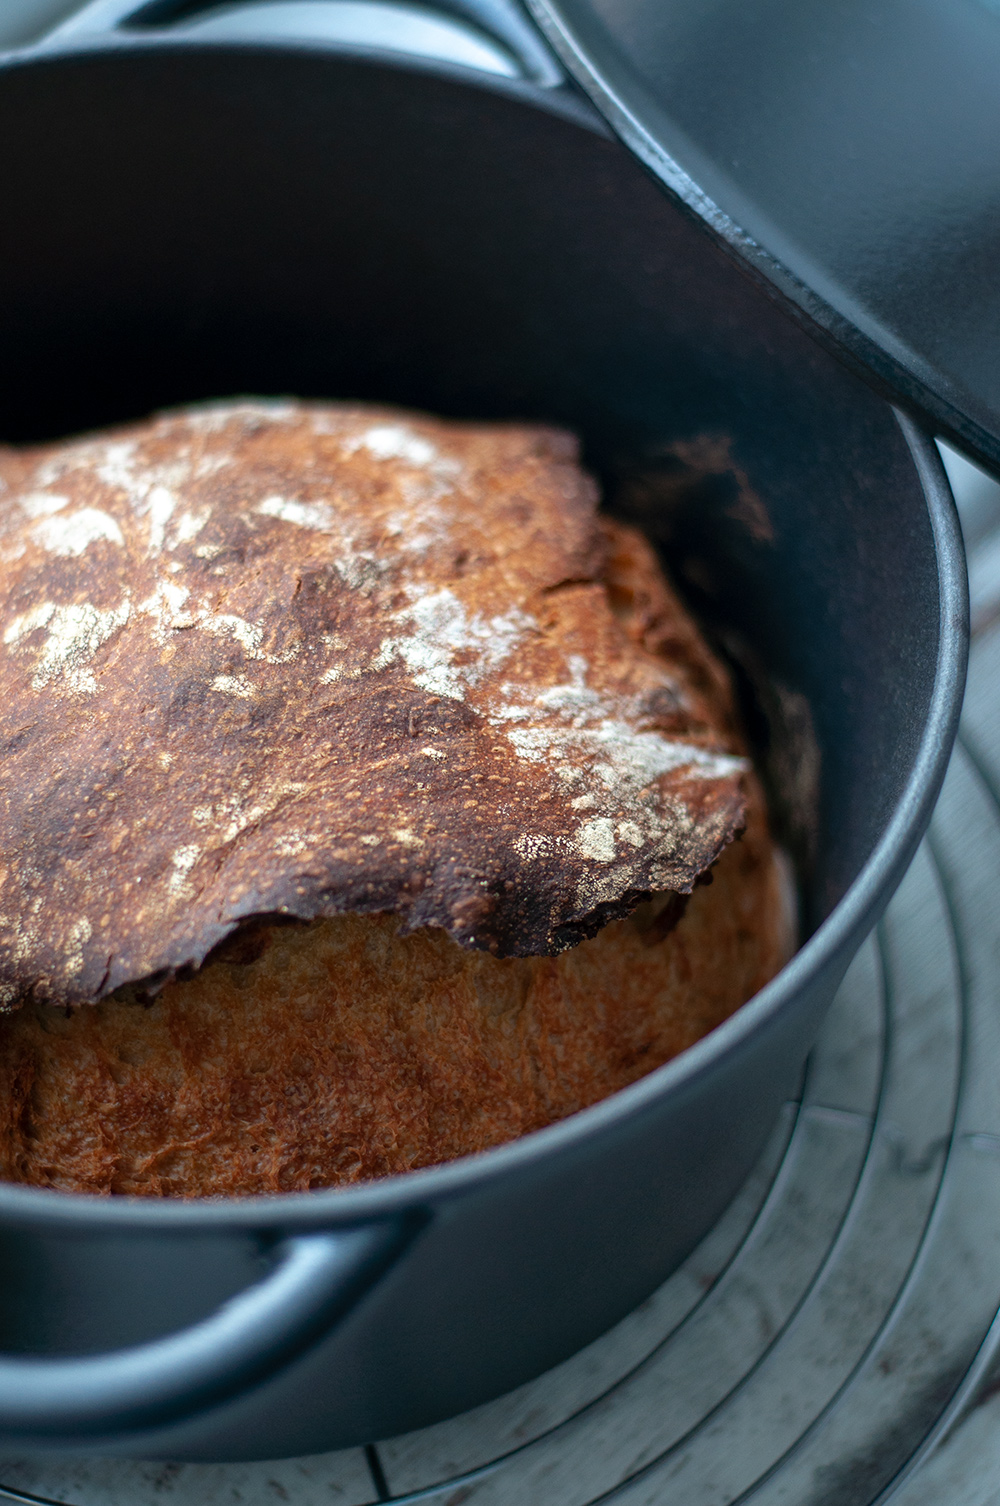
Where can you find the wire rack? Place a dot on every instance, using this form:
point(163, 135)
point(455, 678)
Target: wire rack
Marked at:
point(835, 1340)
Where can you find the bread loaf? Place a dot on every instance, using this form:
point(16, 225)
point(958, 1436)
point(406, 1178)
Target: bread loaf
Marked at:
point(377, 718)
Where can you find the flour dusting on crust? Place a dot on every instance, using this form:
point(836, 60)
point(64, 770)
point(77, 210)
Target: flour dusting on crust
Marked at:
point(284, 657)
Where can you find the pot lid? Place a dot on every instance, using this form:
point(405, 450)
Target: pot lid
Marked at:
point(847, 151)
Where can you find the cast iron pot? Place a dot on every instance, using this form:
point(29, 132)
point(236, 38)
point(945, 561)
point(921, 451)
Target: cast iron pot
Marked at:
point(183, 219)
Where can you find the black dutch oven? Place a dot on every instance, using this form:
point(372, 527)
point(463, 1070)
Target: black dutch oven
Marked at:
point(188, 217)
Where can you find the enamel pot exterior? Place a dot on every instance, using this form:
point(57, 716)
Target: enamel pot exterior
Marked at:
point(184, 222)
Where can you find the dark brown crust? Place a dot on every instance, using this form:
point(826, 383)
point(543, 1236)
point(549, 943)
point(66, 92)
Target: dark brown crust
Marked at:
point(316, 659)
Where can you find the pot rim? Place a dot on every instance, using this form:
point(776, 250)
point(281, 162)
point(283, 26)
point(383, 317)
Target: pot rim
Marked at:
point(830, 946)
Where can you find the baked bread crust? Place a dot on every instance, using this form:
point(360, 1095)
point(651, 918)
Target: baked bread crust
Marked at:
point(323, 659)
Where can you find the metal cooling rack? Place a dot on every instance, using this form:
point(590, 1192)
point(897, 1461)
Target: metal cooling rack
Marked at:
point(835, 1340)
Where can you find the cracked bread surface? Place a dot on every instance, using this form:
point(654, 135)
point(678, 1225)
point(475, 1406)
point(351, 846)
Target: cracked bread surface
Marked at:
point(323, 659)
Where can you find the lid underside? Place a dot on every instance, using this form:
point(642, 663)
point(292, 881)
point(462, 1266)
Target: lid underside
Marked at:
point(847, 150)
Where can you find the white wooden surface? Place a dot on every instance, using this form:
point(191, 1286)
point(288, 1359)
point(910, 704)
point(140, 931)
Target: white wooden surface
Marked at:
point(342, 1479)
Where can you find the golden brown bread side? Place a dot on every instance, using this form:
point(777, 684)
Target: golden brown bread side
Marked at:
point(308, 1056)
point(323, 659)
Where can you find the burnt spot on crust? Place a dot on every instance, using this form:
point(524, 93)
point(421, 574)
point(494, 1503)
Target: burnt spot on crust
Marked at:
point(277, 658)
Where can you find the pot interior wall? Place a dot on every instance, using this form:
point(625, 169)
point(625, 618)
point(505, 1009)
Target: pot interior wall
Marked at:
point(182, 225)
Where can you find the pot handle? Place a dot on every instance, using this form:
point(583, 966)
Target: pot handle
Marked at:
point(319, 1278)
point(501, 20)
